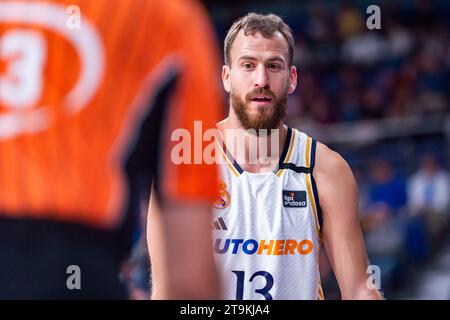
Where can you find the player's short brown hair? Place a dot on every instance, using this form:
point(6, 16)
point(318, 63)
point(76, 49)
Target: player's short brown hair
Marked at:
point(267, 25)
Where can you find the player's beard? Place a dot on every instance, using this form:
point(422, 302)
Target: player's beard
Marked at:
point(267, 118)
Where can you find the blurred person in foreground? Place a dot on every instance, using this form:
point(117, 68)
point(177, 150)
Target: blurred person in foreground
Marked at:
point(89, 94)
point(277, 209)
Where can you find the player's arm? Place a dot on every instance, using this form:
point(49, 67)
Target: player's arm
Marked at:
point(338, 197)
point(181, 252)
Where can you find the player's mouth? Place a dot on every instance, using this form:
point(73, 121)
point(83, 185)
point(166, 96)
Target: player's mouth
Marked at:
point(261, 100)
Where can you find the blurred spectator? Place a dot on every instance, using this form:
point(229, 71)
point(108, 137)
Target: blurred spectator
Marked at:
point(400, 40)
point(364, 48)
point(349, 21)
point(387, 188)
point(428, 194)
point(372, 103)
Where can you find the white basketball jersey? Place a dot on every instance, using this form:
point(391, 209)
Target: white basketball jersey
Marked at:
point(267, 227)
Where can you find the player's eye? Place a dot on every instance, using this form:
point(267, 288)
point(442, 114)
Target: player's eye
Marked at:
point(247, 66)
point(273, 66)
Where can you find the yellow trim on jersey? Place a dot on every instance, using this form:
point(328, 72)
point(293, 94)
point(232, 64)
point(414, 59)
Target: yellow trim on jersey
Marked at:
point(309, 186)
point(313, 204)
point(228, 162)
point(321, 295)
point(319, 288)
point(308, 157)
point(308, 151)
point(291, 147)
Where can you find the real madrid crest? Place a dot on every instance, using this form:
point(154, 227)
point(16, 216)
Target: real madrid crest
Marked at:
point(224, 198)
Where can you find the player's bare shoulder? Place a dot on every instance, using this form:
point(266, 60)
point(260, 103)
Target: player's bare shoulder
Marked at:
point(333, 175)
point(329, 161)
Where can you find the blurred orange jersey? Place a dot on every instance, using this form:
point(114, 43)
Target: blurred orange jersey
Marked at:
point(90, 91)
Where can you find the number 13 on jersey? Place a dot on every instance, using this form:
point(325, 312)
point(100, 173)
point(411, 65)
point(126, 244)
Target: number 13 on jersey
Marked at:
point(241, 281)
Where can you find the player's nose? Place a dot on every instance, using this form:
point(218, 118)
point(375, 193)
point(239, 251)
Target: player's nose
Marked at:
point(261, 77)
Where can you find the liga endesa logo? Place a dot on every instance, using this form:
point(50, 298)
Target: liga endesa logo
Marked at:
point(24, 54)
point(209, 147)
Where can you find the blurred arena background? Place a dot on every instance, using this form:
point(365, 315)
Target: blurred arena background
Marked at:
point(381, 99)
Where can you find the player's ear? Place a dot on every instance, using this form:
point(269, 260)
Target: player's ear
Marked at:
point(226, 77)
point(292, 79)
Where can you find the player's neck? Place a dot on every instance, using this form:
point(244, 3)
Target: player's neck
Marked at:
point(254, 153)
